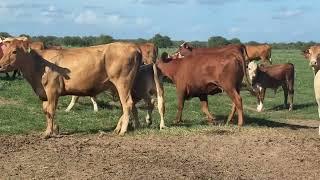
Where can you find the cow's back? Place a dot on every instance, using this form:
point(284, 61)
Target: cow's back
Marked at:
point(256, 52)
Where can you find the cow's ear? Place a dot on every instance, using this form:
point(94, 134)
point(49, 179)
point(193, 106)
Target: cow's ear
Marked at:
point(306, 53)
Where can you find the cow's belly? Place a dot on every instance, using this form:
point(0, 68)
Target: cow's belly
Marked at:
point(207, 89)
point(86, 82)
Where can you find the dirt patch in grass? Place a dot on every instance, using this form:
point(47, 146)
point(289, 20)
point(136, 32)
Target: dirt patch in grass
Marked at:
point(251, 153)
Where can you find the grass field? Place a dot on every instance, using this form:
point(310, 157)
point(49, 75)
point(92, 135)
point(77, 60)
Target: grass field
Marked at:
point(21, 110)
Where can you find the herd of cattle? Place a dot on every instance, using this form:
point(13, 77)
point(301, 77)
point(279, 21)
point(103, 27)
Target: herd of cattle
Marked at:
point(132, 72)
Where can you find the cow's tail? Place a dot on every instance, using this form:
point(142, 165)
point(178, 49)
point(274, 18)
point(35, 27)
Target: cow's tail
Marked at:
point(245, 59)
point(160, 94)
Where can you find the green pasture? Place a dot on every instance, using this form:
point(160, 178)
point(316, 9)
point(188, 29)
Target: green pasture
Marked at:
point(21, 110)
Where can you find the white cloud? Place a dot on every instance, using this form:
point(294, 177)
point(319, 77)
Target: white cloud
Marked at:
point(287, 13)
point(86, 17)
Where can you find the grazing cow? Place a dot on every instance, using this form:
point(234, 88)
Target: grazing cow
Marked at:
point(259, 52)
point(149, 52)
point(313, 55)
point(272, 76)
point(147, 83)
point(79, 71)
point(206, 74)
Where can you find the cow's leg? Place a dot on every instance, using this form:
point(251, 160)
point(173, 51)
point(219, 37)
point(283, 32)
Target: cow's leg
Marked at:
point(136, 123)
point(49, 108)
point(73, 101)
point(180, 96)
point(237, 100)
point(231, 115)
point(150, 107)
point(95, 104)
point(7, 75)
point(285, 94)
point(205, 109)
point(127, 103)
point(260, 97)
point(290, 92)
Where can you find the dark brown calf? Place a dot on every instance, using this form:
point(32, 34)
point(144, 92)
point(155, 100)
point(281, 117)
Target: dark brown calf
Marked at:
point(272, 77)
point(203, 75)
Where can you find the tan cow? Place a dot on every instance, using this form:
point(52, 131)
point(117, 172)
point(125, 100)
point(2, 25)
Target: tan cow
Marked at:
point(149, 52)
point(313, 55)
point(78, 71)
point(148, 83)
point(259, 52)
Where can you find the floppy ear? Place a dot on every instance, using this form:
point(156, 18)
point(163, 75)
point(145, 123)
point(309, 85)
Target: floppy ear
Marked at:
point(306, 53)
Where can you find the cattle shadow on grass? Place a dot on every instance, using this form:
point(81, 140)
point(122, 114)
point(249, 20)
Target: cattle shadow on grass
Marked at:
point(253, 121)
point(295, 106)
point(248, 121)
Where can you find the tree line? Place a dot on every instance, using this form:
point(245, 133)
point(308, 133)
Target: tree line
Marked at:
point(160, 40)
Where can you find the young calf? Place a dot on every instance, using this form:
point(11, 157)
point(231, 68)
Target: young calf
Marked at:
point(273, 76)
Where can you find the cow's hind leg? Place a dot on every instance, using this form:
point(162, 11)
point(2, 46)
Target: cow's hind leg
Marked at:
point(180, 96)
point(150, 107)
point(285, 94)
point(73, 101)
point(136, 123)
point(290, 92)
point(237, 101)
point(127, 103)
point(205, 109)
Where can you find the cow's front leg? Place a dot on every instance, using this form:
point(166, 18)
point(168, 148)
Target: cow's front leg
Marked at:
point(180, 96)
point(260, 98)
point(49, 108)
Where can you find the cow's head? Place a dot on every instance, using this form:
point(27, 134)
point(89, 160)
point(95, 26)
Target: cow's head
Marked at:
point(252, 70)
point(313, 55)
point(13, 51)
point(184, 49)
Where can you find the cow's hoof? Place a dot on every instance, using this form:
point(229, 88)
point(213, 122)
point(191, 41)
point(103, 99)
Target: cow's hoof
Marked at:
point(163, 127)
point(56, 130)
point(116, 131)
point(46, 135)
point(122, 134)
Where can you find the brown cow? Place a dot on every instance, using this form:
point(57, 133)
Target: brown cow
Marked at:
point(273, 76)
point(79, 71)
point(37, 45)
point(147, 83)
point(149, 52)
point(211, 73)
point(313, 55)
point(185, 50)
point(259, 52)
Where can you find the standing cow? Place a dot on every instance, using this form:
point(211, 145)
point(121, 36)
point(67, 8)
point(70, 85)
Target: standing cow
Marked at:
point(272, 76)
point(210, 74)
point(259, 52)
point(76, 71)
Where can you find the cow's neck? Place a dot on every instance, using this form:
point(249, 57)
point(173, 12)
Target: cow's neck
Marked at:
point(169, 69)
point(32, 68)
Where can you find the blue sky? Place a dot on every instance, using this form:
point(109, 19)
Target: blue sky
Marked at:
point(258, 20)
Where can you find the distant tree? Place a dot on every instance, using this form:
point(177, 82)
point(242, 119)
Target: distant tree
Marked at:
point(25, 35)
point(252, 43)
point(141, 40)
point(235, 41)
point(104, 39)
point(162, 41)
point(5, 34)
point(215, 41)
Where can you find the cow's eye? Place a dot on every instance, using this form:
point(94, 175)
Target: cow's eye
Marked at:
point(14, 52)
